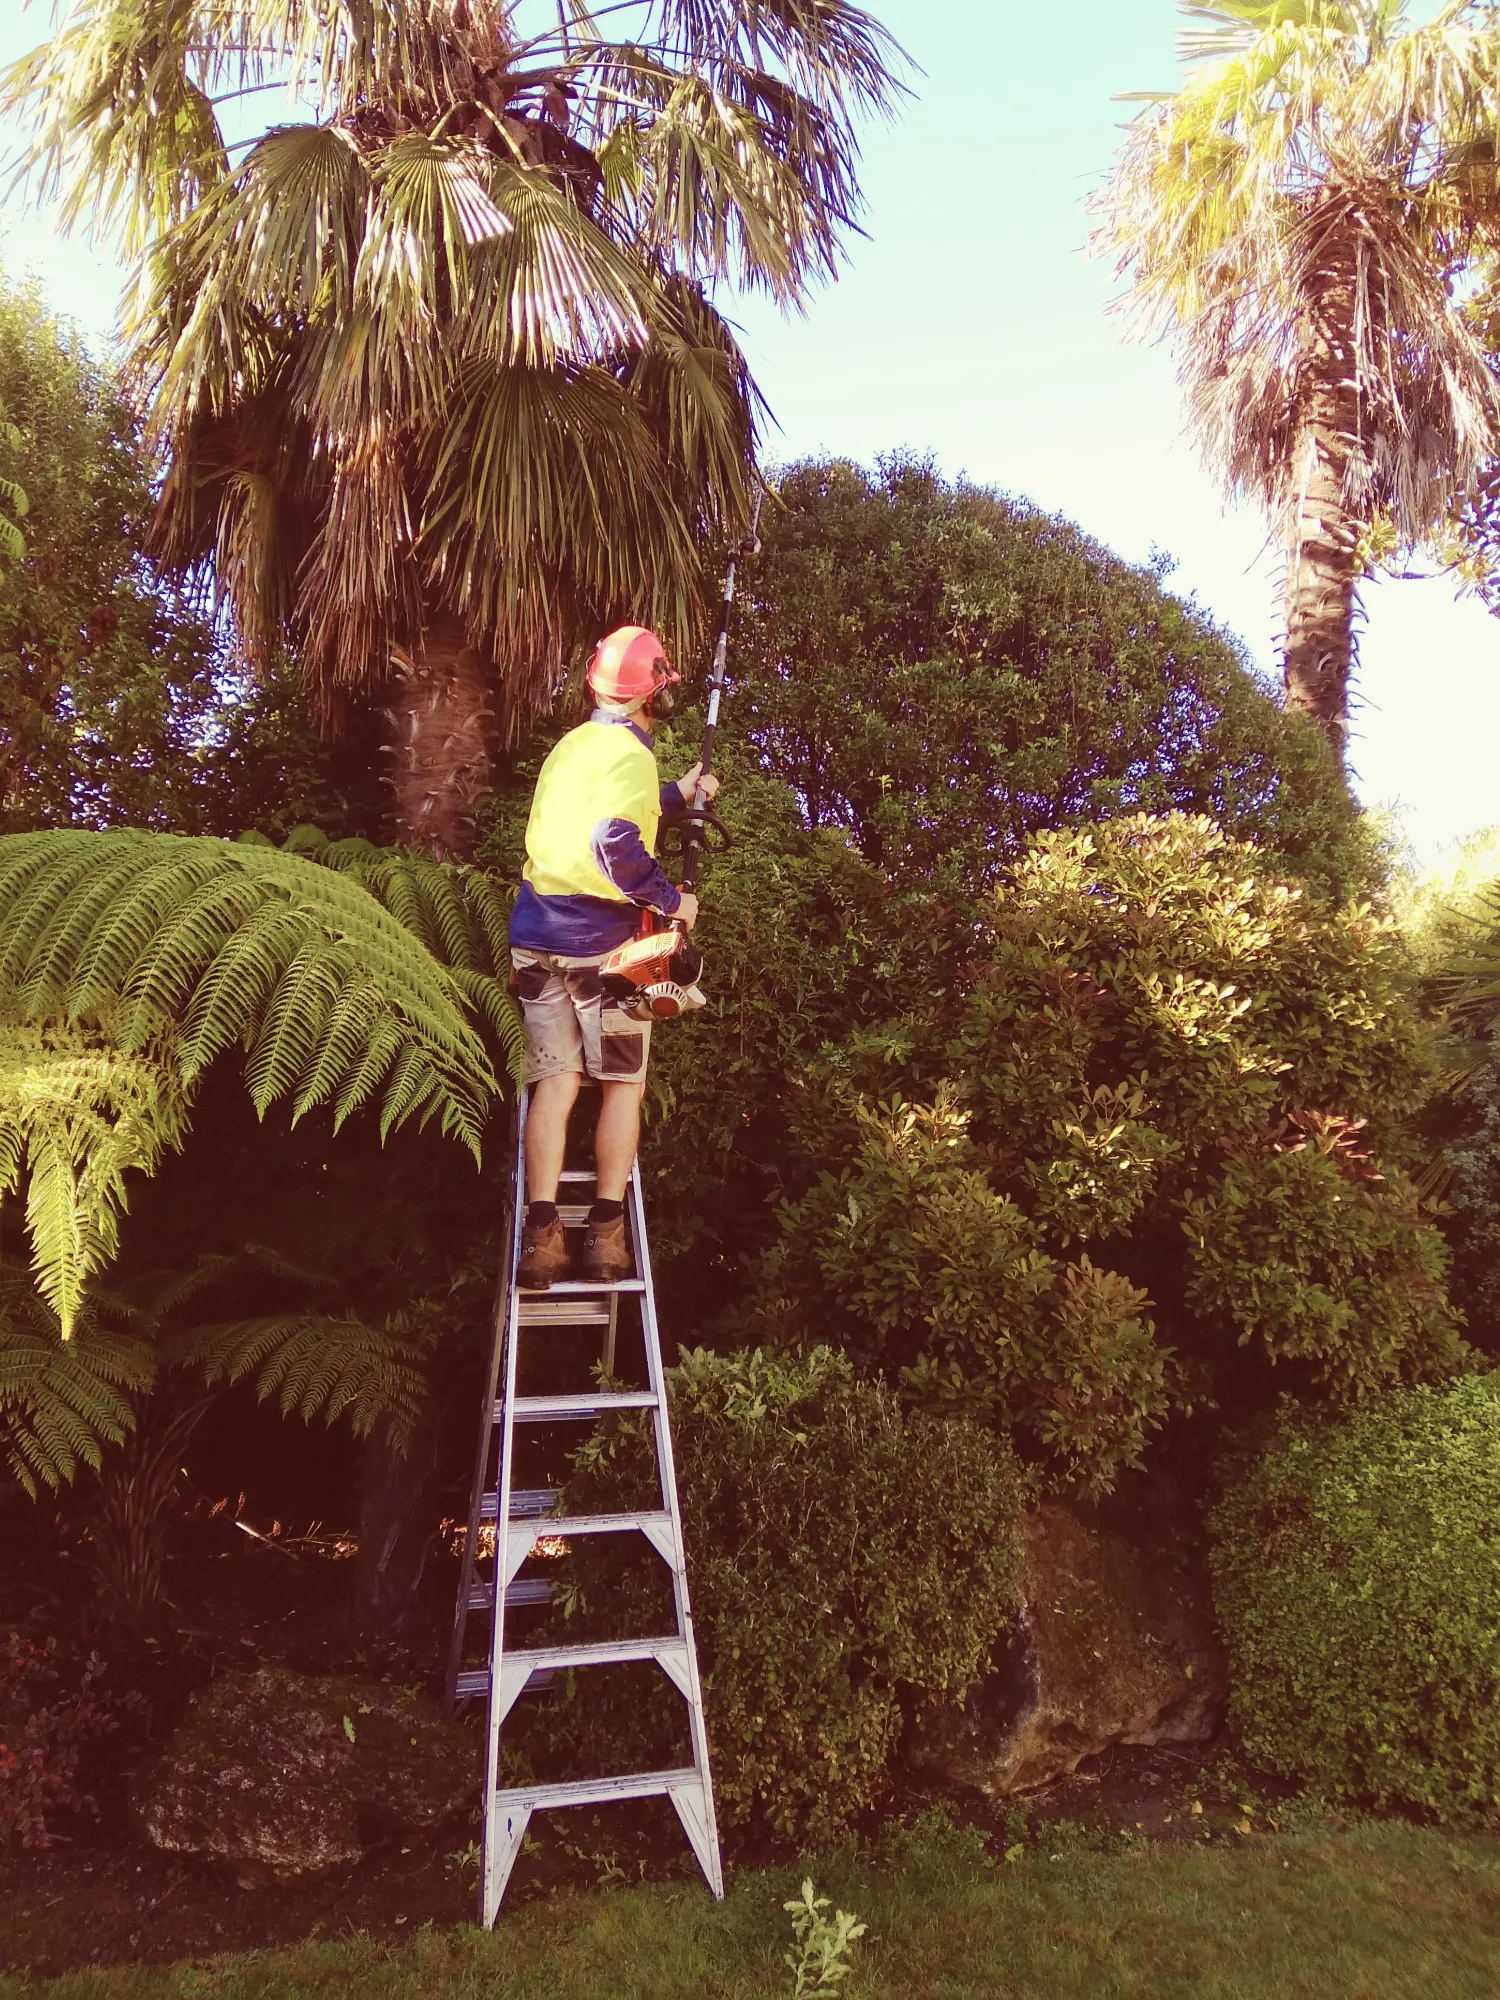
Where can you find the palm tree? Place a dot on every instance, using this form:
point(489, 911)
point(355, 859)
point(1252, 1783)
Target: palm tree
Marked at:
point(1302, 218)
point(436, 372)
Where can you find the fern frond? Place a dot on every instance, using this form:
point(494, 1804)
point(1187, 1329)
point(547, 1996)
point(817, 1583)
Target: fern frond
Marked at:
point(78, 1115)
point(315, 1366)
point(144, 956)
point(455, 909)
point(61, 1401)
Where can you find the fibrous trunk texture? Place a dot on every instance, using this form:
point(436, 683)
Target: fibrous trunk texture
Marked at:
point(439, 716)
point(398, 1522)
point(1322, 561)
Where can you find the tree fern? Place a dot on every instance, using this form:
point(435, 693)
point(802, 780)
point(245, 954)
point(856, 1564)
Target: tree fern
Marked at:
point(315, 1366)
point(62, 1401)
point(457, 912)
point(76, 1115)
point(147, 955)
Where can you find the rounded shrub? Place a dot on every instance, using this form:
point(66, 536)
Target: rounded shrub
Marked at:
point(843, 1554)
point(1357, 1577)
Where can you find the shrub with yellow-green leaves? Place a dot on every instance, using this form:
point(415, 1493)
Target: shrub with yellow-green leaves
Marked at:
point(1145, 1155)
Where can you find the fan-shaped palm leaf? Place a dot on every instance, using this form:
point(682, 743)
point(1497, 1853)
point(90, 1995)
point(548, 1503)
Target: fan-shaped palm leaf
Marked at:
point(324, 327)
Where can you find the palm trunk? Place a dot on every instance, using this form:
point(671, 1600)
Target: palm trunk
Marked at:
point(439, 714)
point(398, 1522)
point(1322, 563)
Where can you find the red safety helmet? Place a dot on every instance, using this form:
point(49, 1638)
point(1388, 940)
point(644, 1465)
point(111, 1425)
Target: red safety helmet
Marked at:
point(630, 665)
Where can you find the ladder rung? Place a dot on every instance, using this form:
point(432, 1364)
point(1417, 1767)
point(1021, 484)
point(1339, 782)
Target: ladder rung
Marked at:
point(527, 1503)
point(473, 1684)
point(529, 1590)
point(598, 1653)
point(576, 1409)
point(575, 1288)
point(574, 1175)
point(596, 1791)
point(539, 1310)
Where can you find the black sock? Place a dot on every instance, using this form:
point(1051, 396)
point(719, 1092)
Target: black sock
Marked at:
point(541, 1214)
point(606, 1211)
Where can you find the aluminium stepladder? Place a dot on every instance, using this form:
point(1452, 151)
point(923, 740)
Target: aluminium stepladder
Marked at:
point(515, 1519)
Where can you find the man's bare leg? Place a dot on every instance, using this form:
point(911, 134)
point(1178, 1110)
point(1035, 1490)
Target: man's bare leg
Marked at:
point(547, 1133)
point(616, 1137)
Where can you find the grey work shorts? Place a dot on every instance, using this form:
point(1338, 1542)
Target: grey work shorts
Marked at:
point(571, 1027)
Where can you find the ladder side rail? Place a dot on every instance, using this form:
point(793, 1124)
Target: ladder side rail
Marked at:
point(503, 1287)
point(494, 1863)
point(708, 1851)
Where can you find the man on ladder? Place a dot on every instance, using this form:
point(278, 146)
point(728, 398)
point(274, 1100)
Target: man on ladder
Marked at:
point(590, 871)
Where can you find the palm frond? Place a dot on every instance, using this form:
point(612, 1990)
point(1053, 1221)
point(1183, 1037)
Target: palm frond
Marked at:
point(1315, 169)
point(320, 317)
point(62, 1401)
point(1469, 986)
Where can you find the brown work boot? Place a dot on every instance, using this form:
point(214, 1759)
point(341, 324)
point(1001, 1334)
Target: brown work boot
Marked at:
point(606, 1254)
point(544, 1255)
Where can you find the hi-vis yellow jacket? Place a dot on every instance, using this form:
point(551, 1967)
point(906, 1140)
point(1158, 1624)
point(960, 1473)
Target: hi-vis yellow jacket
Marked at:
point(589, 865)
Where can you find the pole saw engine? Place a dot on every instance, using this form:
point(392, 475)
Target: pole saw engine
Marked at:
point(654, 977)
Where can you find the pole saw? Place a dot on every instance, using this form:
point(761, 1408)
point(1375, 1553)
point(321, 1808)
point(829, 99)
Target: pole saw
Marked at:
point(654, 977)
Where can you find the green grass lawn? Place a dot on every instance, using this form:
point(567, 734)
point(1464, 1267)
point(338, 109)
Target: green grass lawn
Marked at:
point(1378, 1913)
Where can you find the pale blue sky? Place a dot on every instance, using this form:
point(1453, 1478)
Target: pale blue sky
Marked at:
point(972, 324)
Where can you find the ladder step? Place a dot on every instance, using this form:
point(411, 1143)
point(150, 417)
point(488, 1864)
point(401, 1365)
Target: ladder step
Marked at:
point(574, 1175)
point(577, 1288)
point(610, 1524)
point(537, 1309)
point(576, 1409)
point(574, 1524)
point(595, 1791)
point(599, 1653)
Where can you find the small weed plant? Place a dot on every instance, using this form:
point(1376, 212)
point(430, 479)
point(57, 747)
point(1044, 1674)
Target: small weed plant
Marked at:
point(819, 1961)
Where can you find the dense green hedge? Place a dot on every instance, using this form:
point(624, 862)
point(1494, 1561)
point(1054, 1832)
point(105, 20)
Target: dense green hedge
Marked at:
point(841, 1553)
point(1357, 1575)
point(1143, 1156)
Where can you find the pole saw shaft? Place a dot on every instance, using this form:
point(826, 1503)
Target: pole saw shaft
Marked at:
point(693, 834)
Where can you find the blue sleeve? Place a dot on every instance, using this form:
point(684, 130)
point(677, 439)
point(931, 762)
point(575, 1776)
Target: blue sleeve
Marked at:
point(672, 802)
point(620, 856)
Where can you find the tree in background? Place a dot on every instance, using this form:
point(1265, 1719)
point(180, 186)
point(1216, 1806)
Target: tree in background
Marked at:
point(436, 371)
point(117, 705)
point(1304, 219)
point(939, 671)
